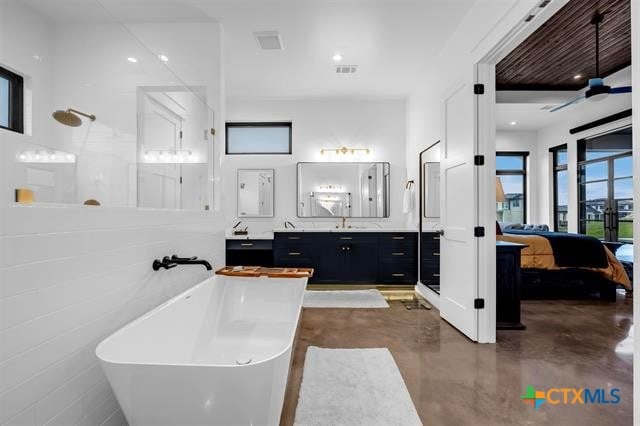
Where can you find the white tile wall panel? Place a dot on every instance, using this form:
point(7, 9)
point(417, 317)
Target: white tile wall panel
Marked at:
point(70, 276)
point(116, 419)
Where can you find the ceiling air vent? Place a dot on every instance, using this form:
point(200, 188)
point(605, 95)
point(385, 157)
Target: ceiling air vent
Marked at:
point(346, 69)
point(269, 40)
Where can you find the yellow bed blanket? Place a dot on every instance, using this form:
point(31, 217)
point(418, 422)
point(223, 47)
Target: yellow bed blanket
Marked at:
point(539, 255)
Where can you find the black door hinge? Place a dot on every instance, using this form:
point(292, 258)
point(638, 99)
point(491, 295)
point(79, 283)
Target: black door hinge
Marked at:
point(478, 303)
point(478, 231)
point(478, 160)
point(180, 180)
point(478, 89)
point(180, 134)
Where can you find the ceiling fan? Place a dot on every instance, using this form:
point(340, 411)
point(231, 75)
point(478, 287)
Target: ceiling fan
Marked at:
point(597, 89)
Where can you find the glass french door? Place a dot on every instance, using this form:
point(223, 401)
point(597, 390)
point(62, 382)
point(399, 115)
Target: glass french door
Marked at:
point(606, 187)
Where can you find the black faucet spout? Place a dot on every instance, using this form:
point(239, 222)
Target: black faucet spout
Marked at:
point(190, 261)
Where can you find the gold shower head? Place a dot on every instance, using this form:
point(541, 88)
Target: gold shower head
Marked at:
point(70, 117)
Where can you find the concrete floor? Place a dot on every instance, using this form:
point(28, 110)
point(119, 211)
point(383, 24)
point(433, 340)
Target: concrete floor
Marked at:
point(453, 381)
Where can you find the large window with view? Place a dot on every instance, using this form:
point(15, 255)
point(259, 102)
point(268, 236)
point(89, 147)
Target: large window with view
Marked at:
point(11, 101)
point(511, 201)
point(560, 189)
point(605, 187)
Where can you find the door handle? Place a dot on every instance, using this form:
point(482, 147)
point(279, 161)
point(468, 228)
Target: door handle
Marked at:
point(346, 238)
point(294, 253)
point(398, 254)
point(613, 218)
point(246, 244)
point(397, 238)
point(397, 275)
point(440, 232)
point(607, 219)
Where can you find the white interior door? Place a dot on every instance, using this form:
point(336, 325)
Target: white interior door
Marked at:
point(160, 134)
point(459, 201)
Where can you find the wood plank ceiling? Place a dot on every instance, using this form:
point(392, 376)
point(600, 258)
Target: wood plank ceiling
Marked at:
point(564, 47)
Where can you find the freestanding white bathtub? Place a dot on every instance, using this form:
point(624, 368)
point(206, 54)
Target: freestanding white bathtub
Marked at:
point(217, 354)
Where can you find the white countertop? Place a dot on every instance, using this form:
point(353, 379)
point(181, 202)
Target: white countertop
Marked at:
point(355, 229)
point(268, 235)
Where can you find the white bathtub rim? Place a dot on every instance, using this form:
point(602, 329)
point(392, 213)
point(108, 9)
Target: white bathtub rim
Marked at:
point(191, 364)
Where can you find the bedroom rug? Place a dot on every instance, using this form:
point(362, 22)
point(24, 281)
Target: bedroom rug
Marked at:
point(353, 387)
point(344, 299)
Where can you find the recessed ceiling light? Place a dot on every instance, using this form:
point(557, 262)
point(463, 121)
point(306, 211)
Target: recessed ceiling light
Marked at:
point(132, 59)
point(337, 57)
point(577, 76)
point(513, 123)
point(163, 58)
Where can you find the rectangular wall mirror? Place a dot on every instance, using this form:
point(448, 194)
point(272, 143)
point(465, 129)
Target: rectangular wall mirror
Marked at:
point(431, 190)
point(255, 192)
point(358, 190)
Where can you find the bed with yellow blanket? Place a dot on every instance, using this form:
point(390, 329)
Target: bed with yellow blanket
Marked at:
point(540, 265)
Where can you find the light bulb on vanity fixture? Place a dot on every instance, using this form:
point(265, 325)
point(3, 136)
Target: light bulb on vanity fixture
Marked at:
point(344, 150)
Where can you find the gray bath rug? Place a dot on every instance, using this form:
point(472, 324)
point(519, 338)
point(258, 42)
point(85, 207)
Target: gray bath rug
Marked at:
point(353, 387)
point(344, 299)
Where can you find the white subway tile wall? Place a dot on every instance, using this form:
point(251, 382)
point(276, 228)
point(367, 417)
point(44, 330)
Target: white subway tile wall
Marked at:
point(69, 277)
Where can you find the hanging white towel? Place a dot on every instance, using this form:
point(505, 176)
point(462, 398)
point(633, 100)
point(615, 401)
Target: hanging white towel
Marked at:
point(408, 199)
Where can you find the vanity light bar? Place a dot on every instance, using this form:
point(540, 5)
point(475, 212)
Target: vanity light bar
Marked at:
point(344, 150)
point(177, 156)
point(44, 156)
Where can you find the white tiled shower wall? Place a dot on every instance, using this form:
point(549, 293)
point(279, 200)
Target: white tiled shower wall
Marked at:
point(69, 277)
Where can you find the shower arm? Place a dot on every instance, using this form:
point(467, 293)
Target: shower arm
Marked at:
point(89, 116)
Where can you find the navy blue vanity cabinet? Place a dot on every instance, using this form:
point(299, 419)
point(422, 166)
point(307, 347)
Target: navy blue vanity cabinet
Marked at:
point(397, 254)
point(294, 250)
point(356, 259)
point(430, 259)
point(350, 257)
point(248, 252)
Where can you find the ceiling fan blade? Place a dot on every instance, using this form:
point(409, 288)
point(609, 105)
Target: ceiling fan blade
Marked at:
point(571, 102)
point(623, 89)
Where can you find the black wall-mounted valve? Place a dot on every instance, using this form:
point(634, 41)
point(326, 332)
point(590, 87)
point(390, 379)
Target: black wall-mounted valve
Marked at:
point(173, 261)
point(165, 263)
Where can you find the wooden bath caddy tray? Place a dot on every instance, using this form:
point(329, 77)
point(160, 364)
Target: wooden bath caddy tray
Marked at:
point(259, 271)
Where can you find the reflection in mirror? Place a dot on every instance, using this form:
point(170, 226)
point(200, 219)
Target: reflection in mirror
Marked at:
point(429, 217)
point(431, 190)
point(255, 192)
point(123, 117)
point(343, 190)
point(172, 148)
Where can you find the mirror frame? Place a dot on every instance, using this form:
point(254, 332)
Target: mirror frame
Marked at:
point(387, 189)
point(273, 193)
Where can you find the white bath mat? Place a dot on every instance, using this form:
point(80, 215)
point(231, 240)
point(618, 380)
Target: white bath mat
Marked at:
point(344, 299)
point(353, 387)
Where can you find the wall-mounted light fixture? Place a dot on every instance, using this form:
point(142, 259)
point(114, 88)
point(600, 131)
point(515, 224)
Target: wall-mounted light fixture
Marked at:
point(344, 150)
point(178, 156)
point(44, 156)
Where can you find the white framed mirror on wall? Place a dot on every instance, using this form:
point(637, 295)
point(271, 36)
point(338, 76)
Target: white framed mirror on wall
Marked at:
point(255, 192)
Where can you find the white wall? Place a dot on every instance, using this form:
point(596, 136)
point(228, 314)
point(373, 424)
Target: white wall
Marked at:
point(71, 275)
point(379, 125)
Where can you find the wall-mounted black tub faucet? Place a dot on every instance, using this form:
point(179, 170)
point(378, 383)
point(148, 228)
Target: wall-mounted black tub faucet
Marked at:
point(173, 261)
